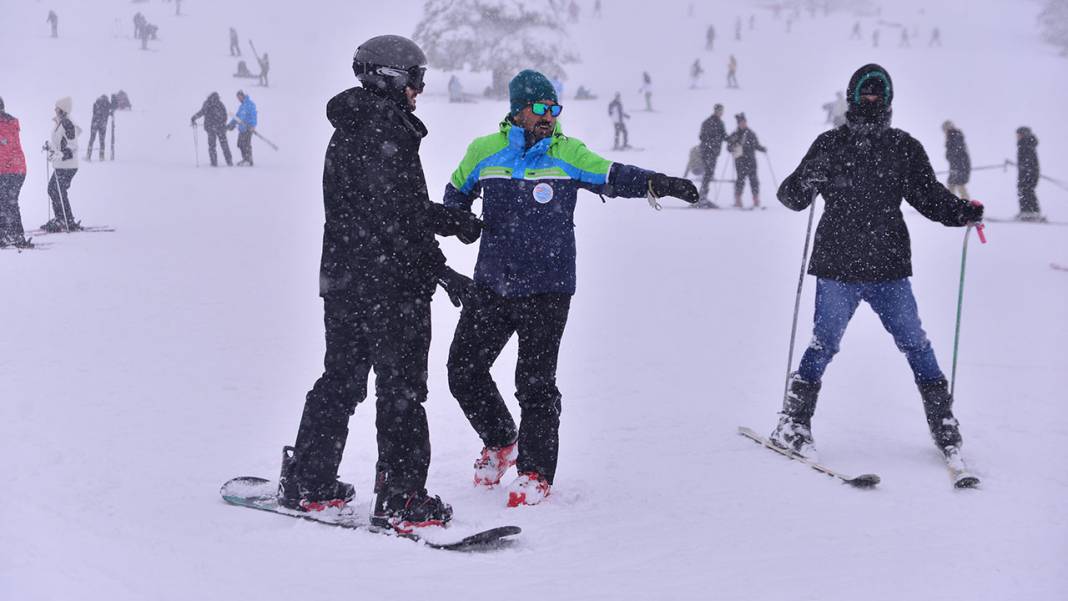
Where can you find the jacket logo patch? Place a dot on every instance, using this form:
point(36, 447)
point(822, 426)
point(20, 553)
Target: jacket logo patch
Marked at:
point(543, 193)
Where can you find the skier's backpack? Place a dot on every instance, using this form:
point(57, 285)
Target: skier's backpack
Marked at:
point(697, 164)
point(242, 70)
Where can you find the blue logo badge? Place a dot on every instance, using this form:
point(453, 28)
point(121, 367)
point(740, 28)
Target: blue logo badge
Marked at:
point(543, 193)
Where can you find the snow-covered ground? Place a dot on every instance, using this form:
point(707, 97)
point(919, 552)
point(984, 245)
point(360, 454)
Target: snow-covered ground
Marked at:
point(142, 368)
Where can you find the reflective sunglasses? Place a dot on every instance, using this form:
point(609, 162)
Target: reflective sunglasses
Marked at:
point(540, 108)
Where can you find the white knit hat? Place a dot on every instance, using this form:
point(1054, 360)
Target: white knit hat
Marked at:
point(65, 104)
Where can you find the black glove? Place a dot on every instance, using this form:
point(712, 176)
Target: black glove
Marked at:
point(230, 127)
point(815, 171)
point(972, 212)
point(468, 227)
point(664, 185)
point(459, 287)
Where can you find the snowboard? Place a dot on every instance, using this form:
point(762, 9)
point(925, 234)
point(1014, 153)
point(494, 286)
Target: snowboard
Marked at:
point(261, 494)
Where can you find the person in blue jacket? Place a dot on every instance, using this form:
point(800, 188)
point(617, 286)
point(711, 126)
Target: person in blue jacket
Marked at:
point(528, 175)
point(245, 121)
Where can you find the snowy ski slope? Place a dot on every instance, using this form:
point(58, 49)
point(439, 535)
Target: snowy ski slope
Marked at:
point(142, 368)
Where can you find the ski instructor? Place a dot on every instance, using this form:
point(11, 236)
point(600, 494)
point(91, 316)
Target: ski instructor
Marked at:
point(528, 174)
point(862, 252)
point(380, 267)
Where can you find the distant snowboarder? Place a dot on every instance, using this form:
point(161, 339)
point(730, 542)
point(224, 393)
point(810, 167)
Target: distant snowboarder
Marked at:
point(53, 21)
point(696, 70)
point(863, 171)
point(245, 120)
point(743, 146)
point(856, 31)
point(235, 45)
point(214, 113)
point(63, 153)
point(713, 133)
point(12, 176)
point(732, 72)
point(1027, 175)
point(619, 117)
point(98, 125)
point(710, 38)
point(960, 164)
point(647, 90)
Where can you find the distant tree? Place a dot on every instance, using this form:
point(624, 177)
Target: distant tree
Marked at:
point(1054, 21)
point(499, 36)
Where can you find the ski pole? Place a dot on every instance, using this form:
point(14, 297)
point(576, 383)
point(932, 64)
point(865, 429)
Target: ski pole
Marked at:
point(48, 184)
point(960, 297)
point(797, 299)
point(774, 180)
point(196, 145)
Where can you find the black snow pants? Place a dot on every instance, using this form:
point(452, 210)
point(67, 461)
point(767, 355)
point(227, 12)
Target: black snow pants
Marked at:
point(10, 217)
point(220, 135)
point(392, 336)
point(621, 132)
point(244, 144)
point(59, 192)
point(1028, 199)
point(484, 328)
point(709, 159)
point(746, 167)
point(94, 131)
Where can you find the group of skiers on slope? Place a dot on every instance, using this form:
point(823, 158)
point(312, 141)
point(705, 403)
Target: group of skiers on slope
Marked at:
point(381, 265)
point(743, 145)
point(213, 111)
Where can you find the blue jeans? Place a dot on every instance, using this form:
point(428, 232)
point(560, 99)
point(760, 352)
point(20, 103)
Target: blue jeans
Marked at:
point(895, 305)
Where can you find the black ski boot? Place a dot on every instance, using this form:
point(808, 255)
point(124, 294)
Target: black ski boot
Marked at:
point(938, 405)
point(405, 511)
point(309, 496)
point(794, 431)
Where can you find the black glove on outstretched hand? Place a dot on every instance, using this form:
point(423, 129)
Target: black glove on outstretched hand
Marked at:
point(459, 287)
point(469, 227)
point(972, 212)
point(664, 185)
point(815, 171)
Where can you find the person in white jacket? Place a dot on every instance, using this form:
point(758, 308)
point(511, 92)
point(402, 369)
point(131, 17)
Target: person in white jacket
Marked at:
point(63, 152)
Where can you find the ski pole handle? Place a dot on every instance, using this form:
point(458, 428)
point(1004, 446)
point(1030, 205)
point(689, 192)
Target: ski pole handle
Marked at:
point(979, 230)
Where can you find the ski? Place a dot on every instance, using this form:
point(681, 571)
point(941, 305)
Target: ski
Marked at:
point(862, 481)
point(261, 494)
point(959, 473)
point(83, 228)
point(1058, 267)
point(1043, 221)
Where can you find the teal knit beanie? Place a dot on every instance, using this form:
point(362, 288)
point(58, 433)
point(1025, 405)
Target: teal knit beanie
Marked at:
point(529, 86)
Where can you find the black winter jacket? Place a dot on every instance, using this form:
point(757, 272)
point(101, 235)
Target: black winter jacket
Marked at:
point(712, 135)
point(1027, 162)
point(214, 113)
point(380, 223)
point(101, 113)
point(746, 140)
point(862, 236)
point(960, 164)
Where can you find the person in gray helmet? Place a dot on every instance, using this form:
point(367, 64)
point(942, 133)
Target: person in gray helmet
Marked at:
point(380, 266)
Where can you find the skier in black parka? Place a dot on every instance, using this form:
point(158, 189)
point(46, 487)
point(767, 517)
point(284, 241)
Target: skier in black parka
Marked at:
point(380, 267)
point(214, 113)
point(862, 252)
point(1027, 175)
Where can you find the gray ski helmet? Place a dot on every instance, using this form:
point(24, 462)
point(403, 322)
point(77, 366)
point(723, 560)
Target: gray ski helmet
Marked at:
point(388, 63)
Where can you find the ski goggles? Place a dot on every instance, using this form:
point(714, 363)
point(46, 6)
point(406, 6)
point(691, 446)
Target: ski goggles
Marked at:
point(540, 108)
point(412, 77)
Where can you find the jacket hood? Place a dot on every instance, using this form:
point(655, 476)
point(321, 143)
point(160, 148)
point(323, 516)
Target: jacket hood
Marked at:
point(1028, 140)
point(214, 97)
point(871, 78)
point(356, 107)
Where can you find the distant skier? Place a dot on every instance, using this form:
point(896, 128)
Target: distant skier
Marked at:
point(619, 117)
point(713, 133)
point(904, 43)
point(960, 164)
point(875, 38)
point(862, 251)
point(380, 266)
point(936, 38)
point(525, 277)
point(245, 120)
point(63, 152)
point(12, 176)
point(456, 89)
point(235, 45)
point(214, 113)
point(696, 70)
point(647, 90)
point(836, 110)
point(139, 22)
point(597, 9)
point(710, 38)
point(53, 20)
point(1027, 175)
point(265, 67)
point(743, 146)
point(98, 125)
point(738, 29)
point(732, 72)
point(856, 31)
point(752, 22)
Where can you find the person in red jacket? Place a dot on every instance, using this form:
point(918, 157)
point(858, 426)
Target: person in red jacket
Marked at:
point(12, 175)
